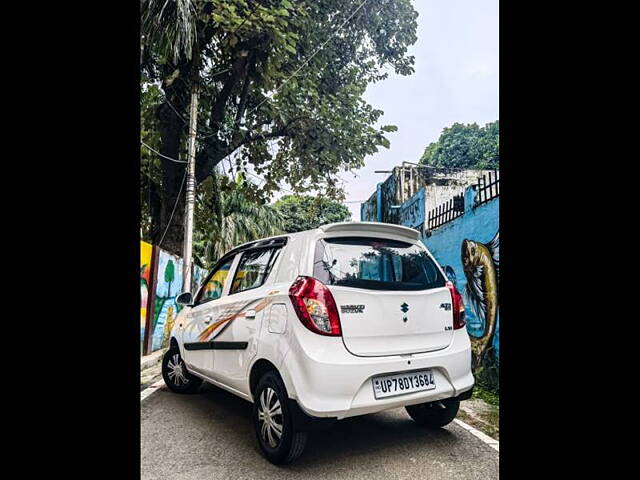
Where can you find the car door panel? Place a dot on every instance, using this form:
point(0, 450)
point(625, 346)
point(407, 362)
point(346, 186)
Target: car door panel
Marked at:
point(246, 310)
point(204, 319)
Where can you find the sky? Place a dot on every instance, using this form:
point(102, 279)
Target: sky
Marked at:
point(455, 80)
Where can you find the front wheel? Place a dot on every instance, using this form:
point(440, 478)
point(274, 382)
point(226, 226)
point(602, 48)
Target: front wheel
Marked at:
point(175, 374)
point(434, 414)
point(279, 440)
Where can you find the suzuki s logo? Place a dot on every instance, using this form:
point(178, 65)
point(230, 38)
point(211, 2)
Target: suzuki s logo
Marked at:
point(405, 308)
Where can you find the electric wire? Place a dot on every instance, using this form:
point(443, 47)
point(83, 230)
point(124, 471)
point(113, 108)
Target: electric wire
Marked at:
point(163, 156)
point(174, 208)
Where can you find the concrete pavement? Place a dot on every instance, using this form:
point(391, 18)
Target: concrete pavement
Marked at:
point(208, 435)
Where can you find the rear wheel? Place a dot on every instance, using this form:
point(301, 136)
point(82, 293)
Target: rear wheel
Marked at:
point(279, 439)
point(434, 414)
point(175, 374)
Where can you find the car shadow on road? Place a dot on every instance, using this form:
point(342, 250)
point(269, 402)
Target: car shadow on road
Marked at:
point(363, 437)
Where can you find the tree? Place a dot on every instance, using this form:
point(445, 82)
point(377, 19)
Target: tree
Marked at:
point(465, 146)
point(304, 212)
point(169, 276)
point(227, 215)
point(268, 93)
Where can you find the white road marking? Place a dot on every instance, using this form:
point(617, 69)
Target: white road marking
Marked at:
point(482, 436)
point(153, 388)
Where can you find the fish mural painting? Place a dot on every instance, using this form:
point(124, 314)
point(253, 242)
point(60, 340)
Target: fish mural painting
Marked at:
point(481, 264)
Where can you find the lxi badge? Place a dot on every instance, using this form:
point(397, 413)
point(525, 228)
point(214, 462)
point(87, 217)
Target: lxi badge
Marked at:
point(405, 308)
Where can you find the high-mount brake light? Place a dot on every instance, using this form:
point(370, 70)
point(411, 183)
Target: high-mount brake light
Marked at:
point(315, 306)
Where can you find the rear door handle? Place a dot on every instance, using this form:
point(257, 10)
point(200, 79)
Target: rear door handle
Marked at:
point(250, 314)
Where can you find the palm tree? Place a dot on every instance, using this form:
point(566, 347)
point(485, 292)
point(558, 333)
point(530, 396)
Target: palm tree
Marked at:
point(170, 30)
point(230, 217)
point(169, 25)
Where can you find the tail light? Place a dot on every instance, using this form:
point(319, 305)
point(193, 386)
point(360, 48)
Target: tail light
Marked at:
point(315, 306)
point(459, 319)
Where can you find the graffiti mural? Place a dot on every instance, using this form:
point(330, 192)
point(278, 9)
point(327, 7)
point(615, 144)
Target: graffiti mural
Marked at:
point(412, 211)
point(146, 251)
point(468, 248)
point(480, 263)
point(168, 287)
point(158, 306)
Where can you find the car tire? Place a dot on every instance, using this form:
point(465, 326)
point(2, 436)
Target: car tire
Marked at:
point(271, 396)
point(175, 374)
point(434, 414)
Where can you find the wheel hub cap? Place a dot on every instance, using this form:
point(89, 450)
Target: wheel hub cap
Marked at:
point(270, 417)
point(176, 371)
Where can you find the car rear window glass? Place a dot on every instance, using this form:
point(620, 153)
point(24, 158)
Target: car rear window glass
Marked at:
point(375, 264)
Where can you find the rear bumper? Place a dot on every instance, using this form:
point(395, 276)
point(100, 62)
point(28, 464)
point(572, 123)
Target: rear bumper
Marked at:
point(328, 381)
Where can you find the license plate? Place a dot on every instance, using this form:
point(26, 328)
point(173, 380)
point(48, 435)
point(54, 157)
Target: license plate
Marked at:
point(403, 383)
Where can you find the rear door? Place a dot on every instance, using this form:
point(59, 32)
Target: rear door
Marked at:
point(391, 296)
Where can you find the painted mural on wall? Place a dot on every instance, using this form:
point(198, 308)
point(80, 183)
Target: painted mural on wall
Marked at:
point(168, 287)
point(412, 211)
point(146, 251)
point(480, 263)
point(468, 248)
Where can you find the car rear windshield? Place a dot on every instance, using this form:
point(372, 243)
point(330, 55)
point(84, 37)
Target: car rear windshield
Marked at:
point(375, 264)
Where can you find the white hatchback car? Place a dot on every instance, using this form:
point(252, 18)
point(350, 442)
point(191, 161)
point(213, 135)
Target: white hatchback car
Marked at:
point(312, 327)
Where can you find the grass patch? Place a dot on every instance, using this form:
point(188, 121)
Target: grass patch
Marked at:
point(488, 396)
point(482, 411)
point(488, 425)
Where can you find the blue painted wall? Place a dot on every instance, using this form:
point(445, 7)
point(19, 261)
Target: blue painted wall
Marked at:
point(480, 225)
point(412, 211)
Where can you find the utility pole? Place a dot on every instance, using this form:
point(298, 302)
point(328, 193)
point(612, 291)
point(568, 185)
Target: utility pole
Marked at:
point(191, 191)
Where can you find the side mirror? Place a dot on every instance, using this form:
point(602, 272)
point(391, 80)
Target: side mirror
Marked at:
point(185, 299)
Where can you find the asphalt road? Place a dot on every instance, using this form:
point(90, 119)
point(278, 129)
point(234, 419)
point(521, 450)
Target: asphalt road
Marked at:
point(208, 435)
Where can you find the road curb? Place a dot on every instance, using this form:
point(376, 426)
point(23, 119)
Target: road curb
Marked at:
point(151, 360)
point(493, 443)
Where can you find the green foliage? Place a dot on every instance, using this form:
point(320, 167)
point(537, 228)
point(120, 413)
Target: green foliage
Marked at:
point(173, 42)
point(488, 374)
point(304, 212)
point(228, 214)
point(150, 165)
point(465, 146)
point(240, 52)
point(492, 398)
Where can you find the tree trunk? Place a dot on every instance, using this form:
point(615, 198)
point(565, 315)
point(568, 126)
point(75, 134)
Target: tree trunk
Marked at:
point(172, 128)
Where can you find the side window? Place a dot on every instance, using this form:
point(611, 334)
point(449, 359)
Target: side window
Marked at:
point(253, 269)
point(213, 288)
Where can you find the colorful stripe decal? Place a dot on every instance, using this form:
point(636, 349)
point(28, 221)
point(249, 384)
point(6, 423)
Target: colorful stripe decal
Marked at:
point(208, 332)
